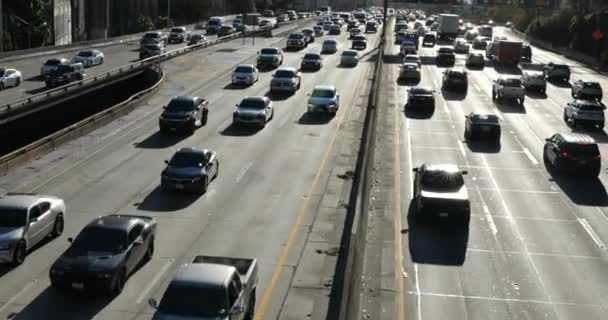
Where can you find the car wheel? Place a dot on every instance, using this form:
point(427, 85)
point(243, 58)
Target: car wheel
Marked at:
point(101, 61)
point(150, 250)
point(118, 284)
point(18, 82)
point(493, 95)
point(467, 134)
point(217, 170)
point(521, 101)
point(20, 253)
point(204, 186)
point(58, 226)
point(1, 86)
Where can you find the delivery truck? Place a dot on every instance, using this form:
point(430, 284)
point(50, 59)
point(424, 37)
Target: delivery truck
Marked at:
point(507, 52)
point(447, 26)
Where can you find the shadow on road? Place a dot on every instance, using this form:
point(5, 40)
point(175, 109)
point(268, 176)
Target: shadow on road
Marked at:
point(160, 140)
point(38, 90)
point(560, 84)
point(167, 200)
point(507, 70)
point(536, 95)
point(314, 119)
point(408, 82)
point(279, 96)
point(232, 86)
point(483, 146)
point(592, 194)
point(532, 66)
point(34, 78)
point(239, 131)
point(453, 95)
point(510, 106)
point(391, 58)
point(421, 113)
point(52, 304)
point(437, 243)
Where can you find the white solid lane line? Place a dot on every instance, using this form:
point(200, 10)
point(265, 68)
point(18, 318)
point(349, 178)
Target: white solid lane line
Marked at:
point(144, 293)
point(592, 233)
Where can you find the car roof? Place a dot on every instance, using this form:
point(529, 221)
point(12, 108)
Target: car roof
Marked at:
point(114, 221)
point(421, 90)
point(245, 65)
point(192, 150)
point(183, 98)
point(484, 117)
point(443, 167)
point(256, 98)
point(577, 138)
point(588, 102)
point(22, 201)
point(292, 69)
point(206, 275)
point(324, 87)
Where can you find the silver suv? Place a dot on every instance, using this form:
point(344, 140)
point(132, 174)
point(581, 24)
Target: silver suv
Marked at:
point(25, 221)
point(508, 88)
point(534, 81)
point(582, 89)
point(584, 113)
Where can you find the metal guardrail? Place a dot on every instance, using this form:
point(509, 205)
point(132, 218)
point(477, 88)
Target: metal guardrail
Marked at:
point(62, 90)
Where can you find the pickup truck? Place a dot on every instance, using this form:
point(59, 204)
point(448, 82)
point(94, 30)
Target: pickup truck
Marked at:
point(508, 88)
point(210, 288)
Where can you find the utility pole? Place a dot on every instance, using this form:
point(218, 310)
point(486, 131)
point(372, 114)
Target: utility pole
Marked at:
point(107, 19)
point(169, 9)
point(1, 30)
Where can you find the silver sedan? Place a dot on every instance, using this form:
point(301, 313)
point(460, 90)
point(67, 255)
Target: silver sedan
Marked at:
point(89, 58)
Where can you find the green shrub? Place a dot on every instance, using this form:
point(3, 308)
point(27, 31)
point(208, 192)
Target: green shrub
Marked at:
point(144, 23)
point(163, 22)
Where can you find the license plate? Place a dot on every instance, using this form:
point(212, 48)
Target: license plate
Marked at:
point(443, 214)
point(77, 285)
point(179, 186)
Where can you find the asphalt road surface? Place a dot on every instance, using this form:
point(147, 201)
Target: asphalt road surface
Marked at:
point(279, 196)
point(536, 245)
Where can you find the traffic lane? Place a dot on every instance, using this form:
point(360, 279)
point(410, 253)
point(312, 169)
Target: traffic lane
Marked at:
point(584, 244)
point(239, 150)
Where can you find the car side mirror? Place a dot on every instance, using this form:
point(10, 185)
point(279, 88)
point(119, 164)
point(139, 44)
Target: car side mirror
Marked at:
point(152, 302)
point(70, 239)
point(464, 172)
point(415, 169)
point(548, 139)
point(167, 161)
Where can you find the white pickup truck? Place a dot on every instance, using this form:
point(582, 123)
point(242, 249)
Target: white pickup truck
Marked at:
point(210, 288)
point(508, 88)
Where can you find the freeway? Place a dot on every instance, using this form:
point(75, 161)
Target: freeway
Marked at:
point(279, 196)
point(536, 244)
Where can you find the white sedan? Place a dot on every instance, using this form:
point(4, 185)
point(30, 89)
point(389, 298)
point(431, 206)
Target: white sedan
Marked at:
point(89, 58)
point(9, 78)
point(245, 74)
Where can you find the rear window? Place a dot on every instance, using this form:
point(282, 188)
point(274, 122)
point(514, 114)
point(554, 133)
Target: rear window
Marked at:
point(561, 66)
point(585, 150)
point(511, 82)
point(312, 56)
point(457, 75)
point(446, 50)
point(296, 36)
point(53, 62)
point(269, 51)
point(177, 30)
point(420, 91)
point(442, 181)
point(329, 42)
point(591, 85)
point(591, 107)
point(349, 53)
point(284, 74)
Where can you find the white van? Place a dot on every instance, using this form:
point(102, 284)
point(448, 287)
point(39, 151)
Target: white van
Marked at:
point(214, 24)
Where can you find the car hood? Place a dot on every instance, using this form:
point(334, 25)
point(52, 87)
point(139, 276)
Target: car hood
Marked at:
point(10, 233)
point(249, 112)
point(460, 194)
point(163, 316)
point(321, 101)
point(185, 172)
point(102, 261)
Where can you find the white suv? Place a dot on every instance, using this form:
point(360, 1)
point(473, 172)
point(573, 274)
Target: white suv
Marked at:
point(534, 81)
point(508, 88)
point(584, 112)
point(582, 89)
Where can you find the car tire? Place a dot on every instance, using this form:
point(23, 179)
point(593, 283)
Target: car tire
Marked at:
point(204, 186)
point(251, 311)
point(546, 161)
point(521, 101)
point(19, 254)
point(1, 86)
point(18, 82)
point(150, 250)
point(58, 226)
point(217, 170)
point(118, 283)
point(101, 61)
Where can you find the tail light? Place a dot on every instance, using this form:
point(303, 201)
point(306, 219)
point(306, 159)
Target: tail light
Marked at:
point(597, 156)
point(565, 154)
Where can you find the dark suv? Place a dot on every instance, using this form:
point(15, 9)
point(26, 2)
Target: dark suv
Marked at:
point(445, 56)
point(64, 74)
point(455, 79)
point(557, 72)
point(574, 152)
point(184, 113)
point(482, 126)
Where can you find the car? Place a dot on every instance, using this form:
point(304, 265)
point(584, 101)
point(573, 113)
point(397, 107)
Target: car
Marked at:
point(470, 35)
point(371, 27)
point(349, 58)
point(455, 79)
point(190, 169)
point(445, 56)
point(329, 46)
point(324, 99)
point(214, 24)
point(286, 80)
point(413, 58)
point(401, 26)
point(534, 81)
point(509, 24)
point(64, 74)
point(184, 114)
point(480, 43)
point(584, 113)
point(420, 98)
point(526, 53)
point(256, 111)
point(327, 25)
point(319, 32)
point(196, 38)
point(555, 71)
point(149, 37)
point(583, 89)
point(26, 220)
point(246, 74)
point(352, 24)
point(401, 37)
point(179, 35)
point(421, 31)
point(335, 30)
point(482, 126)
point(104, 254)
point(508, 88)
point(89, 58)
point(409, 71)
point(226, 30)
point(434, 26)
point(282, 18)
point(429, 40)
point(9, 78)
point(440, 192)
point(461, 46)
point(52, 65)
point(468, 26)
point(309, 34)
point(359, 44)
point(417, 24)
point(312, 61)
point(296, 41)
point(150, 47)
point(210, 288)
point(576, 153)
point(475, 60)
point(354, 32)
point(270, 57)
point(407, 48)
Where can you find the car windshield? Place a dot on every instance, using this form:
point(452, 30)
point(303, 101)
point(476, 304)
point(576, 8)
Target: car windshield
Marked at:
point(180, 105)
point(244, 69)
point(187, 159)
point(591, 85)
point(296, 36)
point(98, 239)
point(255, 104)
point(284, 74)
point(441, 181)
point(268, 51)
point(446, 50)
point(561, 66)
point(323, 93)
point(53, 62)
point(177, 30)
point(62, 68)
point(511, 82)
point(457, 75)
point(349, 53)
point(226, 28)
point(151, 40)
point(12, 217)
point(312, 56)
point(85, 54)
point(420, 91)
point(485, 118)
point(189, 301)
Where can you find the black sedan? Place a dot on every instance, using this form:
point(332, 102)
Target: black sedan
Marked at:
point(445, 56)
point(359, 44)
point(105, 253)
point(422, 98)
point(482, 126)
point(190, 169)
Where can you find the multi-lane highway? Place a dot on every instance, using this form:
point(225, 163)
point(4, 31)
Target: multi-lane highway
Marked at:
point(279, 196)
point(536, 244)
